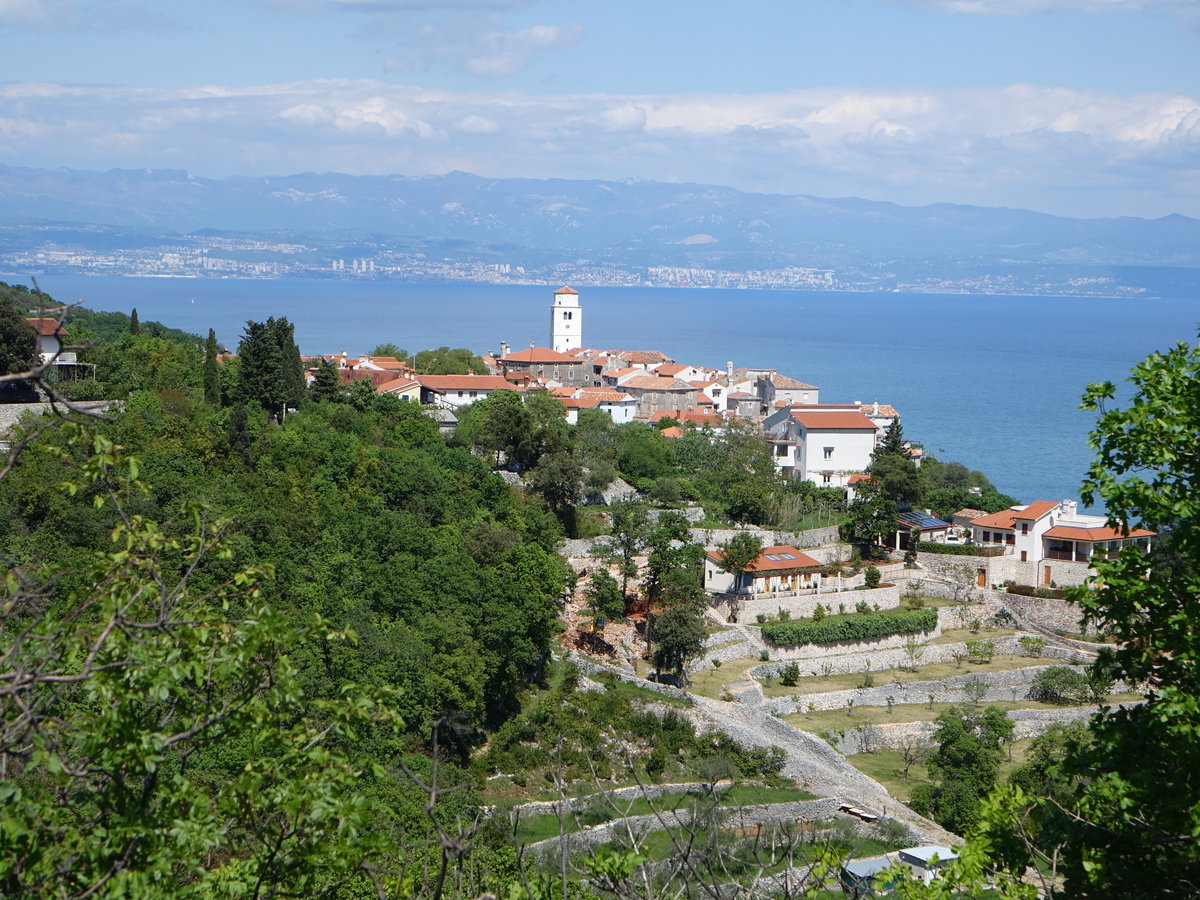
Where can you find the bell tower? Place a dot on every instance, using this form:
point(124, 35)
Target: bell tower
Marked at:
point(566, 321)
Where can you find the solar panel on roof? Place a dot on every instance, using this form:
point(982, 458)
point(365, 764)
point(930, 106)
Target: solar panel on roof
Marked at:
point(787, 555)
point(772, 556)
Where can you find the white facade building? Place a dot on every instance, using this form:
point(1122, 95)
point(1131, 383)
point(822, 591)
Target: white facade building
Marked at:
point(824, 446)
point(566, 321)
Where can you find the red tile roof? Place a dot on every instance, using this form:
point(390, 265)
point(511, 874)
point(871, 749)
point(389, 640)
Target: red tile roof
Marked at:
point(799, 560)
point(465, 383)
point(861, 478)
point(782, 382)
point(47, 327)
point(1035, 510)
point(670, 369)
point(584, 402)
point(541, 355)
point(396, 385)
point(673, 432)
point(1103, 533)
point(1004, 519)
point(833, 420)
point(603, 395)
point(566, 290)
point(642, 356)
point(655, 383)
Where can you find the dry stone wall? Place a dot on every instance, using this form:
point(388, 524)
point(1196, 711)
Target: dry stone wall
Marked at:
point(803, 605)
point(1012, 685)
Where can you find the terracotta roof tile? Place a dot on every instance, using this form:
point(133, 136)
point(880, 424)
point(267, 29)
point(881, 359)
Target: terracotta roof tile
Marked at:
point(1103, 533)
point(465, 383)
point(799, 559)
point(834, 420)
point(541, 355)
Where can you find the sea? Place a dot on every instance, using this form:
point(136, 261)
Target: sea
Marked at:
point(991, 381)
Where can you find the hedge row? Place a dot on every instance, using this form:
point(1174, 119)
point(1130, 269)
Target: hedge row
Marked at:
point(851, 627)
point(958, 549)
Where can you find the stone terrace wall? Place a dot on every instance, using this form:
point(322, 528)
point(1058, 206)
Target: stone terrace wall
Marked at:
point(857, 656)
point(813, 652)
point(1001, 686)
point(1027, 723)
point(812, 540)
point(802, 606)
point(1043, 611)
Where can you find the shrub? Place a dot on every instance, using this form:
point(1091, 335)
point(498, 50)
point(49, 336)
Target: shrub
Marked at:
point(761, 617)
point(790, 675)
point(855, 627)
point(764, 655)
point(818, 613)
point(1031, 646)
point(980, 651)
point(872, 577)
point(1060, 684)
point(861, 607)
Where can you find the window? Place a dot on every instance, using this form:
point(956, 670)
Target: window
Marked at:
point(825, 478)
point(829, 453)
point(1024, 528)
point(1010, 539)
point(780, 450)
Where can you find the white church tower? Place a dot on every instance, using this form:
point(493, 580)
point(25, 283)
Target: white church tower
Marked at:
point(566, 321)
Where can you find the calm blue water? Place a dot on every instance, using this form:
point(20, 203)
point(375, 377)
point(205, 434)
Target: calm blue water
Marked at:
point(993, 382)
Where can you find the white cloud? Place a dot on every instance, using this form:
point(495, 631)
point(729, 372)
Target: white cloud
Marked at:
point(504, 53)
point(94, 15)
point(478, 125)
point(1025, 145)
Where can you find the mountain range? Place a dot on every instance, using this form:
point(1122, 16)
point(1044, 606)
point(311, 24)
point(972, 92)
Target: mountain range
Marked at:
point(635, 224)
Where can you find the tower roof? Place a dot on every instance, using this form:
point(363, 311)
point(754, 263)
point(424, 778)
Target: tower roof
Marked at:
point(565, 290)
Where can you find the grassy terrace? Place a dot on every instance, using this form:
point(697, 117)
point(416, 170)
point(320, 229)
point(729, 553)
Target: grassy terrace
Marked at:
point(820, 684)
point(825, 720)
point(603, 808)
point(886, 767)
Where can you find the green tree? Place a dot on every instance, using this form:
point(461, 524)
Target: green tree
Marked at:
point(445, 361)
point(872, 515)
point(558, 479)
point(965, 764)
point(326, 385)
point(389, 349)
point(212, 375)
point(680, 635)
point(604, 596)
point(738, 556)
point(1139, 818)
point(154, 744)
point(892, 442)
point(627, 538)
point(135, 326)
point(18, 341)
point(269, 369)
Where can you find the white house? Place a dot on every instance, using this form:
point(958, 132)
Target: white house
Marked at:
point(453, 391)
point(778, 569)
point(621, 407)
point(822, 445)
point(1046, 542)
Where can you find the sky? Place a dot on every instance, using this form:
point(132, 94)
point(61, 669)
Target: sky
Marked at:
point(1073, 107)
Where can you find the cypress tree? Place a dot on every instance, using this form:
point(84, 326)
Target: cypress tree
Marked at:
point(134, 325)
point(212, 377)
point(269, 368)
point(326, 385)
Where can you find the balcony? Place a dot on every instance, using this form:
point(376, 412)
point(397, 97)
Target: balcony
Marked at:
point(1067, 555)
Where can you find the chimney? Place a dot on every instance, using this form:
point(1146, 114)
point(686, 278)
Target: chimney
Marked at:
point(504, 350)
point(729, 369)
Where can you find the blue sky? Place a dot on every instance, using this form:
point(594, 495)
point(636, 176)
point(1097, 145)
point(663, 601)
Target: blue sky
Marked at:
point(1075, 107)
